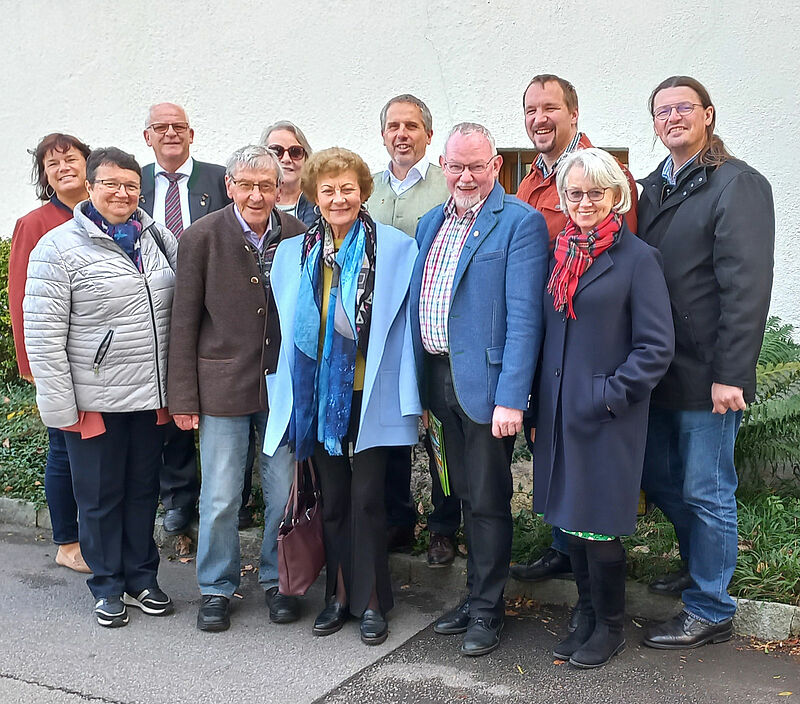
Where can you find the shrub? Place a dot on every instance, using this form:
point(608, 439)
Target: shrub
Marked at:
point(769, 439)
point(8, 358)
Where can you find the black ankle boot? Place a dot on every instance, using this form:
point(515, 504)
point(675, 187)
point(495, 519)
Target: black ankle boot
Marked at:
point(608, 601)
point(585, 613)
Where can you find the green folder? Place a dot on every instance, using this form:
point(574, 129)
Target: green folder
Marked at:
point(436, 434)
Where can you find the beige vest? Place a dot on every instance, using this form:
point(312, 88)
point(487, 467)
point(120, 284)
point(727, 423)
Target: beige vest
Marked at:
point(404, 212)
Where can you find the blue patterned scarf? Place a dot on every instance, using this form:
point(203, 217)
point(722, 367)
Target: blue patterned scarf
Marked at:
point(126, 234)
point(323, 387)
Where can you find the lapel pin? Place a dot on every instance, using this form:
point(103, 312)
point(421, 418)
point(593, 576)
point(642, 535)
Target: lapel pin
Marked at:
point(203, 199)
point(476, 233)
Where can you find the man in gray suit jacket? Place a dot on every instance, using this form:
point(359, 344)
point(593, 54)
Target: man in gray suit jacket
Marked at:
point(177, 191)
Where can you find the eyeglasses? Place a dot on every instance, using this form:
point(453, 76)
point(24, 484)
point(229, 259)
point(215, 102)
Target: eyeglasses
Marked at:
point(162, 127)
point(296, 152)
point(476, 169)
point(575, 195)
point(264, 186)
point(682, 109)
point(114, 186)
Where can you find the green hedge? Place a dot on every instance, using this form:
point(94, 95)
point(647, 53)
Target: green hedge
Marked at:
point(8, 358)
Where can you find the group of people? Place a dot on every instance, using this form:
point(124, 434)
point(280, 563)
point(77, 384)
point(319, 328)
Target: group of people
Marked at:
point(293, 305)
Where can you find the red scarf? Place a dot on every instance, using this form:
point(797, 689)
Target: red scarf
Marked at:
point(575, 253)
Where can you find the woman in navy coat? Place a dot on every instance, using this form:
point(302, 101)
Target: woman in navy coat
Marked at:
point(608, 341)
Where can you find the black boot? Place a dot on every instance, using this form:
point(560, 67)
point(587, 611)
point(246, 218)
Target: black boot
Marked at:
point(584, 613)
point(608, 599)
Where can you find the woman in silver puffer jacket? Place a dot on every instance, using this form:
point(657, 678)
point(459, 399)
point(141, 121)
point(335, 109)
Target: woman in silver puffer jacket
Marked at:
point(97, 310)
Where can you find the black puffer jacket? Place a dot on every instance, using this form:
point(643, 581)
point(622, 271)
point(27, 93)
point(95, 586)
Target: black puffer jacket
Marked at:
point(716, 232)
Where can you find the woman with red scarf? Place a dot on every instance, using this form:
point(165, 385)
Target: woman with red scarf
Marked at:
point(608, 341)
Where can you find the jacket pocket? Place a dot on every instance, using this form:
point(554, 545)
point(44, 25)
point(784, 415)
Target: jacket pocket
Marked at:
point(599, 407)
point(489, 256)
point(704, 347)
point(494, 365)
point(102, 351)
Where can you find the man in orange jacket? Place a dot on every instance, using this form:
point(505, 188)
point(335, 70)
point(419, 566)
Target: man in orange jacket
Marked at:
point(551, 121)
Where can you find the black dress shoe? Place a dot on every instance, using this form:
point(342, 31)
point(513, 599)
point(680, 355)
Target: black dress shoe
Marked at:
point(671, 584)
point(685, 631)
point(455, 621)
point(441, 551)
point(549, 564)
point(177, 520)
point(399, 538)
point(482, 636)
point(331, 618)
point(282, 608)
point(214, 613)
point(374, 629)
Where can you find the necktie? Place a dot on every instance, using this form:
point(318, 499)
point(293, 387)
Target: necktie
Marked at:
point(173, 218)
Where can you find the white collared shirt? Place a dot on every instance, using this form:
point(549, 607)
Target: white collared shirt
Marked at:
point(415, 174)
point(160, 192)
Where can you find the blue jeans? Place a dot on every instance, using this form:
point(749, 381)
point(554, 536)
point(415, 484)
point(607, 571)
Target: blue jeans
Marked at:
point(58, 490)
point(223, 456)
point(689, 474)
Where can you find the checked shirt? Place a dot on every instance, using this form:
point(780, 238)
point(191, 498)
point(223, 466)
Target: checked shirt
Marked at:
point(438, 275)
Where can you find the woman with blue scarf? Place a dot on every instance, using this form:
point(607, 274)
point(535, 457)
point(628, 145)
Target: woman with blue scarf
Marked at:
point(345, 377)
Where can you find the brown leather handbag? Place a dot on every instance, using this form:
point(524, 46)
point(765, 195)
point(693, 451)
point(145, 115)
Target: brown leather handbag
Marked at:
point(301, 550)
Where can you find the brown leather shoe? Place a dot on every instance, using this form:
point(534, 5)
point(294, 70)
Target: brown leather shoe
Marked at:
point(441, 550)
point(69, 555)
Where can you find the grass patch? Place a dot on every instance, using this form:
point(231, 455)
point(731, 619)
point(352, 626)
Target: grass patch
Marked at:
point(23, 445)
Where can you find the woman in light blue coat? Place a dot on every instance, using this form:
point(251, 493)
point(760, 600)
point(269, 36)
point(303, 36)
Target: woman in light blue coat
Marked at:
point(346, 375)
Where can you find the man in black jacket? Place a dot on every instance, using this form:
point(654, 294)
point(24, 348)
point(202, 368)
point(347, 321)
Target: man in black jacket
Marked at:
point(177, 190)
point(712, 218)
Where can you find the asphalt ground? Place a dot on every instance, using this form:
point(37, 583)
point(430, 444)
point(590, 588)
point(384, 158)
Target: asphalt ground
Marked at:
point(52, 651)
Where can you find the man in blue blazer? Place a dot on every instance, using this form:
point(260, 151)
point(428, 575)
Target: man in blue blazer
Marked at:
point(177, 191)
point(476, 316)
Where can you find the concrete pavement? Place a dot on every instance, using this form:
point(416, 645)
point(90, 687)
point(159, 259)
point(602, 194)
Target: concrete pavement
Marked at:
point(52, 652)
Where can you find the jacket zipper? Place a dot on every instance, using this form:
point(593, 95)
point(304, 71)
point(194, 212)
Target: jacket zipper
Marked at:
point(155, 338)
point(102, 350)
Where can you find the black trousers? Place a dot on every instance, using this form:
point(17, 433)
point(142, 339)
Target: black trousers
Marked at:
point(179, 485)
point(446, 515)
point(400, 509)
point(354, 519)
point(484, 485)
point(116, 491)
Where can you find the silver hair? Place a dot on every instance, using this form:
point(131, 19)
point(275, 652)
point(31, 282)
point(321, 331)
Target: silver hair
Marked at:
point(254, 156)
point(289, 127)
point(602, 169)
point(427, 118)
point(155, 105)
point(466, 128)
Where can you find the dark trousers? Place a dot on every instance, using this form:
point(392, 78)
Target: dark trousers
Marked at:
point(354, 525)
point(178, 477)
point(116, 491)
point(399, 506)
point(484, 485)
point(58, 490)
point(446, 515)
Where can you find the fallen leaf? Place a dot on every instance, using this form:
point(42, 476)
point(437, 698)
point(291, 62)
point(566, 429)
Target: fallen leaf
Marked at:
point(183, 545)
point(9, 416)
point(37, 483)
point(784, 694)
point(185, 560)
point(6, 443)
point(520, 670)
point(405, 586)
point(248, 568)
point(558, 662)
point(640, 548)
point(6, 399)
point(8, 488)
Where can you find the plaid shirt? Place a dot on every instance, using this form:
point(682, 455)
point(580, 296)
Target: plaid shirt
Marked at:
point(438, 275)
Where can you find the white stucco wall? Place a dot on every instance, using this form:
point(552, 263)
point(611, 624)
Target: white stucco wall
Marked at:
point(92, 68)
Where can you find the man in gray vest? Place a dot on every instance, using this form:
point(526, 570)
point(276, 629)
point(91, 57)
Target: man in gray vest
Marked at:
point(407, 189)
